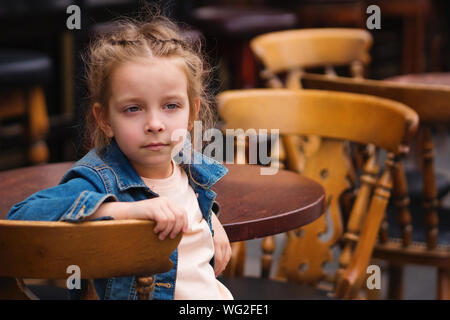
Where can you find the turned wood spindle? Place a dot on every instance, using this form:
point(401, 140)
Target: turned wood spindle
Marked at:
point(268, 247)
point(402, 203)
point(144, 286)
point(359, 210)
point(429, 190)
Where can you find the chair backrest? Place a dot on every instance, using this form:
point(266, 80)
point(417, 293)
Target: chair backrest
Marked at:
point(352, 117)
point(294, 50)
point(101, 249)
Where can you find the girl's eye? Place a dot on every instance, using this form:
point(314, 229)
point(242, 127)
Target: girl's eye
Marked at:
point(132, 109)
point(171, 106)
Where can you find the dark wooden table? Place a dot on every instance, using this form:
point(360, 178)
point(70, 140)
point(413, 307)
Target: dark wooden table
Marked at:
point(433, 78)
point(251, 205)
point(254, 205)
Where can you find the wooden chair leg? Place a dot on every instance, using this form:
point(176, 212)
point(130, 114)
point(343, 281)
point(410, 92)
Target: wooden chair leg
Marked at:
point(12, 289)
point(402, 203)
point(144, 287)
point(89, 293)
point(38, 125)
point(430, 190)
point(268, 247)
point(235, 267)
point(443, 289)
point(395, 290)
point(374, 293)
point(351, 280)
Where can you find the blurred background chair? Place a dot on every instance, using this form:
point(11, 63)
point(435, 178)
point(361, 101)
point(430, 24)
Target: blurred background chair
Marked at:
point(295, 51)
point(420, 234)
point(285, 55)
point(23, 109)
point(101, 249)
point(341, 117)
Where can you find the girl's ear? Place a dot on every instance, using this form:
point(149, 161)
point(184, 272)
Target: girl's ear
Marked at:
point(101, 119)
point(195, 115)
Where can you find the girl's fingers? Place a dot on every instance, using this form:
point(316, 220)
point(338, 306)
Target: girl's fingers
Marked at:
point(179, 224)
point(219, 262)
point(181, 217)
point(223, 255)
point(160, 219)
point(170, 220)
point(165, 223)
point(217, 270)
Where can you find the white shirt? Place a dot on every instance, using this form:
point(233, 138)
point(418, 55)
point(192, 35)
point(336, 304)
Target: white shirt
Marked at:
point(195, 276)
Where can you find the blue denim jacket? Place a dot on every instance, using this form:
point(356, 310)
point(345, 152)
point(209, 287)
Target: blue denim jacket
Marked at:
point(95, 179)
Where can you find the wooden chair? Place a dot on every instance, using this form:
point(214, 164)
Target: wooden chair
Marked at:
point(338, 116)
point(432, 103)
point(292, 52)
point(101, 249)
point(285, 55)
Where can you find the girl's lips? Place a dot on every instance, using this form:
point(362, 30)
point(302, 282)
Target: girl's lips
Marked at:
point(156, 147)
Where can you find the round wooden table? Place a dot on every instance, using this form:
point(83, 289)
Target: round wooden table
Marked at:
point(251, 205)
point(254, 205)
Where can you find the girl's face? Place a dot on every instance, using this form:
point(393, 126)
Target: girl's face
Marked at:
point(148, 103)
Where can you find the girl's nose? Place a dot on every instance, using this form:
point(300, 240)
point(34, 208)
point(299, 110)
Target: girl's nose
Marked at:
point(154, 124)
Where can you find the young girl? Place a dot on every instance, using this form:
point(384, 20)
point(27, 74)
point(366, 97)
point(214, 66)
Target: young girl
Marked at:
point(146, 84)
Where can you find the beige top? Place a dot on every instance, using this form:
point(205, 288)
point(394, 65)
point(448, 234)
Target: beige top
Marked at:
point(195, 276)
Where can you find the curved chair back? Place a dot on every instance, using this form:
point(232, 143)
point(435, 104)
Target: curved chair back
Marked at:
point(359, 118)
point(343, 116)
point(284, 51)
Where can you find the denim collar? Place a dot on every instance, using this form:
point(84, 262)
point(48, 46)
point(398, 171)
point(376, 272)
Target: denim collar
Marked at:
point(205, 170)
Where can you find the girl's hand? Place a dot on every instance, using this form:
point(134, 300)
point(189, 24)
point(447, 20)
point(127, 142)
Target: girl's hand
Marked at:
point(169, 217)
point(222, 247)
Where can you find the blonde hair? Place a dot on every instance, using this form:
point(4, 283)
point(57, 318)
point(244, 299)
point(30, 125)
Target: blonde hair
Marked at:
point(133, 41)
